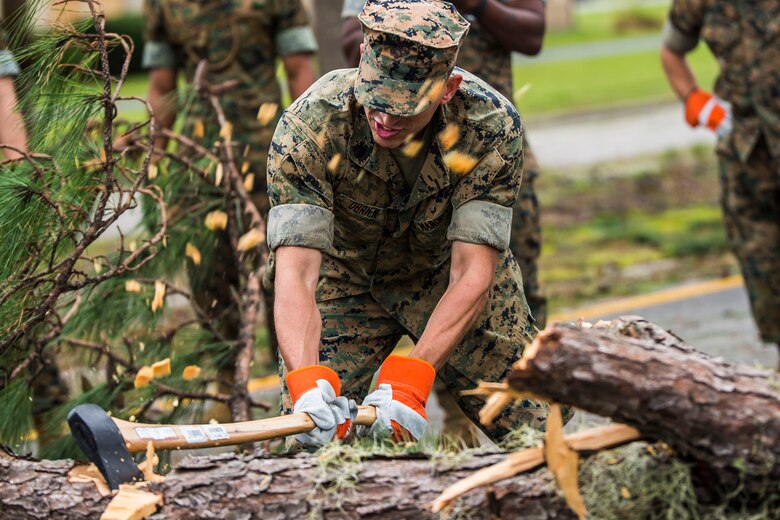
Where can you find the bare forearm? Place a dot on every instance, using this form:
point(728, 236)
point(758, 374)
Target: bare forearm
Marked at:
point(12, 131)
point(162, 100)
point(300, 73)
point(455, 314)
point(517, 25)
point(351, 38)
point(678, 72)
point(296, 315)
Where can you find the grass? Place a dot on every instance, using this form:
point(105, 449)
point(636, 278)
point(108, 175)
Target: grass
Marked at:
point(607, 235)
point(613, 25)
point(602, 81)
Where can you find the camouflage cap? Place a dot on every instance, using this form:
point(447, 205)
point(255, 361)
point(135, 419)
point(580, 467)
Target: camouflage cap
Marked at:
point(411, 46)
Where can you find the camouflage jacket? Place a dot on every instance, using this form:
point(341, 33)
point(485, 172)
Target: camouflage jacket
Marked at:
point(241, 39)
point(744, 36)
point(480, 52)
point(333, 189)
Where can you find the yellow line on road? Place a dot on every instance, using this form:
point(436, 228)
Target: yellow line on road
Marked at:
point(623, 305)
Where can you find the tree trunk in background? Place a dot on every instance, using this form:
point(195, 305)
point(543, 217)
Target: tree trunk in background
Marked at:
point(270, 488)
point(723, 417)
point(327, 27)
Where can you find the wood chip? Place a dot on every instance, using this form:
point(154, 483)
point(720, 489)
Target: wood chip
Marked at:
point(562, 461)
point(143, 376)
point(193, 253)
point(133, 286)
point(449, 136)
point(199, 130)
point(132, 503)
point(412, 148)
point(218, 174)
point(625, 493)
point(162, 368)
point(249, 182)
point(267, 112)
point(226, 132)
point(334, 163)
point(525, 460)
point(216, 220)
point(519, 93)
point(249, 240)
point(245, 167)
point(159, 295)
point(152, 172)
point(459, 162)
point(89, 473)
point(190, 372)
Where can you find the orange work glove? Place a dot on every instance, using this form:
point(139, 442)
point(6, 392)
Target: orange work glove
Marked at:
point(702, 108)
point(402, 388)
point(316, 390)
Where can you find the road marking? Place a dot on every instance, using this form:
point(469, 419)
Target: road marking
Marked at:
point(651, 300)
point(623, 305)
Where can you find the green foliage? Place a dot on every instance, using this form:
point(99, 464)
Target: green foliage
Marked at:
point(132, 25)
point(15, 427)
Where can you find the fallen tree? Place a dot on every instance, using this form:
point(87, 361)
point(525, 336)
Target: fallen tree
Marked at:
point(724, 418)
point(261, 486)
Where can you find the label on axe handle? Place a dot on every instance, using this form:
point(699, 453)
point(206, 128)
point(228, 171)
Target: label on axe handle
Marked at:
point(216, 432)
point(193, 434)
point(158, 434)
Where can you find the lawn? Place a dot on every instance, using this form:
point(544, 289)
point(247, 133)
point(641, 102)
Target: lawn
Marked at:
point(611, 25)
point(602, 81)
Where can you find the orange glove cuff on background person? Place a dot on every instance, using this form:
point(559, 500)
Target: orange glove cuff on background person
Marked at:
point(316, 390)
point(402, 389)
point(705, 109)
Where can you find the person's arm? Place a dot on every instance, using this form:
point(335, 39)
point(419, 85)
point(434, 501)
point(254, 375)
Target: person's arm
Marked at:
point(351, 38)
point(297, 318)
point(517, 25)
point(12, 131)
point(472, 272)
point(678, 72)
point(162, 99)
point(299, 68)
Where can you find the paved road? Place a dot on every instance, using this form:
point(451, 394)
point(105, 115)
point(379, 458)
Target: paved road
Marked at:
point(587, 139)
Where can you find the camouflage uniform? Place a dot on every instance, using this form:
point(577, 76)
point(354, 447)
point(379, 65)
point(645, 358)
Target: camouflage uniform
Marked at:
point(745, 38)
point(241, 39)
point(386, 245)
point(481, 53)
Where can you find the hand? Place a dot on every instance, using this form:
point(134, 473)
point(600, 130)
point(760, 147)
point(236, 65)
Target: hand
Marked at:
point(465, 6)
point(702, 108)
point(402, 388)
point(315, 391)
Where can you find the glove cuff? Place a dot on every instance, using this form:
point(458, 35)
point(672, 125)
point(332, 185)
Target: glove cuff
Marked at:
point(694, 104)
point(411, 379)
point(304, 379)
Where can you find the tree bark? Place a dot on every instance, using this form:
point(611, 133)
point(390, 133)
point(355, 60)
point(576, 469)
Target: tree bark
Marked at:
point(258, 486)
point(724, 418)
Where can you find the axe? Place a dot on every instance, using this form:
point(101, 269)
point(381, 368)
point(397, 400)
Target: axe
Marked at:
point(108, 442)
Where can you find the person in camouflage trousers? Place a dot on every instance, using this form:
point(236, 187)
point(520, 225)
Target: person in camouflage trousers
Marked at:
point(241, 40)
point(744, 36)
point(498, 28)
point(392, 187)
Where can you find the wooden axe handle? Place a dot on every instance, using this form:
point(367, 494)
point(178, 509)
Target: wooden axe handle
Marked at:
point(174, 436)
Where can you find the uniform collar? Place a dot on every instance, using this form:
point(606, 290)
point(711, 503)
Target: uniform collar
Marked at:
point(368, 155)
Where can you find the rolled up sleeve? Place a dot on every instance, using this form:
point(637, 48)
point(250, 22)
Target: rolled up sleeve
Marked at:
point(302, 225)
point(352, 8)
point(686, 18)
point(480, 222)
point(8, 65)
point(158, 55)
point(296, 40)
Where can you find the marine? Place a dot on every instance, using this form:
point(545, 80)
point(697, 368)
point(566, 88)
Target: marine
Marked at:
point(429, 260)
point(241, 41)
point(744, 112)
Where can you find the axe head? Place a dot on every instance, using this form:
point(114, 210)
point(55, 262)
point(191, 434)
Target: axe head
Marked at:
point(101, 441)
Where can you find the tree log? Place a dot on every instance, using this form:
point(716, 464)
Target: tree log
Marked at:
point(722, 417)
point(261, 486)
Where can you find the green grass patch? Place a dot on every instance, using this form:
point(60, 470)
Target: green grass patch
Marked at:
point(611, 25)
point(602, 81)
